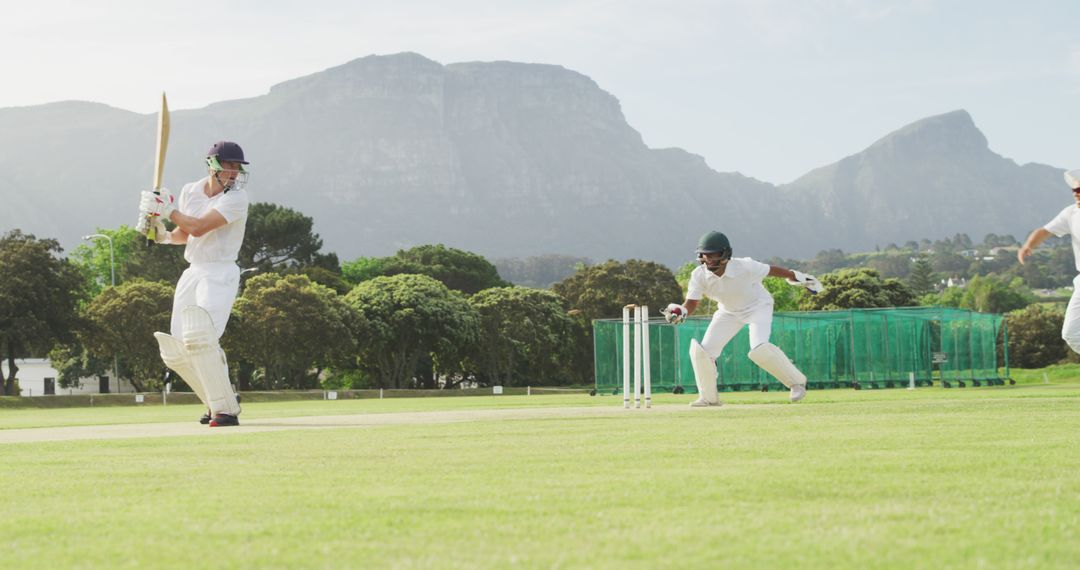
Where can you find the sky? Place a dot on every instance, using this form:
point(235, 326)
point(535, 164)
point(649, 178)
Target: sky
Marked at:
point(768, 88)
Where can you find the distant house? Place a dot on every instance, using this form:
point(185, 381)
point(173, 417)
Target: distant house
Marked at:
point(37, 377)
point(969, 252)
point(956, 282)
point(1004, 250)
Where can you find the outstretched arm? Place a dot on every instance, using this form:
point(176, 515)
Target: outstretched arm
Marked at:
point(1038, 236)
point(777, 271)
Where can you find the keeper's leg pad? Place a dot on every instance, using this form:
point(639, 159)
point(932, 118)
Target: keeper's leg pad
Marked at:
point(176, 358)
point(704, 375)
point(773, 360)
point(208, 362)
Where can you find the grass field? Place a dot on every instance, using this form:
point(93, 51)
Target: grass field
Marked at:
point(931, 478)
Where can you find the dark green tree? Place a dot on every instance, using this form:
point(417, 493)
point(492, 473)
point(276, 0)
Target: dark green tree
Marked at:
point(600, 291)
point(290, 328)
point(121, 321)
point(277, 238)
point(39, 294)
point(921, 279)
point(457, 269)
point(1035, 337)
point(858, 288)
point(406, 321)
point(526, 337)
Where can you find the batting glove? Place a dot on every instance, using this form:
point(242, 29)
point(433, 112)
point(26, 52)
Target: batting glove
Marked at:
point(675, 313)
point(160, 203)
point(806, 280)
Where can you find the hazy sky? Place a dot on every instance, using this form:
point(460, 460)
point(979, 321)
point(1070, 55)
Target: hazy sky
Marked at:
point(768, 88)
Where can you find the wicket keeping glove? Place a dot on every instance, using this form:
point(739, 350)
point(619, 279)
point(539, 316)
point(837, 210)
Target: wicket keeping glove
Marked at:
point(806, 280)
point(675, 313)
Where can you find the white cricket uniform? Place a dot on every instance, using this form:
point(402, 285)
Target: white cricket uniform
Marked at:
point(742, 300)
point(213, 278)
point(1068, 222)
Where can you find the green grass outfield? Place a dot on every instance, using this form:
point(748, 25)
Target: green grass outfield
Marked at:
point(930, 478)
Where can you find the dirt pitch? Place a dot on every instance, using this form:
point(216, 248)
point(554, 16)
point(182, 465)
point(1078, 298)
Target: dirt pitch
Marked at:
point(256, 424)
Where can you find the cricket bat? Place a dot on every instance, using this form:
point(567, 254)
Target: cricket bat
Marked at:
point(159, 157)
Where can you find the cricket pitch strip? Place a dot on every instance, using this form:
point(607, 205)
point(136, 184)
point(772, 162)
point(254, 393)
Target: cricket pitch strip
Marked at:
point(253, 424)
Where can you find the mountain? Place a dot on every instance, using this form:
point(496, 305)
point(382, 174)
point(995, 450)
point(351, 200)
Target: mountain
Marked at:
point(507, 160)
point(934, 178)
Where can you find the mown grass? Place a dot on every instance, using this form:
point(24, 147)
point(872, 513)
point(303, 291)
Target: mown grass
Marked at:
point(930, 478)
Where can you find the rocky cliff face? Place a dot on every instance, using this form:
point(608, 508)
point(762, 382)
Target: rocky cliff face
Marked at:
point(933, 178)
point(507, 160)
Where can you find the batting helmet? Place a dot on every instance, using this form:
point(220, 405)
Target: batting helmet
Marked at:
point(226, 151)
point(714, 242)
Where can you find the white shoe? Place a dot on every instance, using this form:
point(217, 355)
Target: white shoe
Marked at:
point(798, 392)
point(703, 403)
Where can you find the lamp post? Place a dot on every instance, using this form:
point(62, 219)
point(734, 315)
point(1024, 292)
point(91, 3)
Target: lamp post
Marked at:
point(112, 275)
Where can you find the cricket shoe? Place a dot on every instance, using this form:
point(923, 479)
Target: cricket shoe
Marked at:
point(224, 420)
point(205, 419)
point(798, 392)
point(703, 403)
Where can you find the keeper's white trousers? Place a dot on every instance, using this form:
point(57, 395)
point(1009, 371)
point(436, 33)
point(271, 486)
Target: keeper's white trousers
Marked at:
point(212, 286)
point(1070, 330)
point(725, 326)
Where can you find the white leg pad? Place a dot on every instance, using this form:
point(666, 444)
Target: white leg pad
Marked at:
point(773, 360)
point(208, 361)
point(176, 358)
point(704, 375)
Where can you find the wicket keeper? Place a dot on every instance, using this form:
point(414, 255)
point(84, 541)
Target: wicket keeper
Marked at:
point(736, 286)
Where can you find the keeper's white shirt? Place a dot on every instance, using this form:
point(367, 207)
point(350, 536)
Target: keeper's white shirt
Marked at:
point(222, 244)
point(738, 290)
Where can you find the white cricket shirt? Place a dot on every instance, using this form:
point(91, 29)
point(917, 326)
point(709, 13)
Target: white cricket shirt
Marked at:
point(222, 244)
point(738, 290)
point(1068, 222)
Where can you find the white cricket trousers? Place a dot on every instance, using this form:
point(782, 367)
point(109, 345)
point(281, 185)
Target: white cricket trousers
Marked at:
point(1070, 330)
point(212, 286)
point(725, 326)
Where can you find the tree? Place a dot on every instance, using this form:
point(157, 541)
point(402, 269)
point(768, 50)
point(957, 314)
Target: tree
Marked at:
point(785, 295)
point(988, 294)
point(73, 362)
point(122, 320)
point(828, 260)
point(601, 291)
point(525, 336)
point(457, 269)
point(404, 319)
point(133, 258)
point(858, 288)
point(276, 237)
point(891, 265)
point(361, 269)
point(1035, 337)
point(288, 326)
point(921, 279)
point(39, 293)
point(152, 262)
point(539, 271)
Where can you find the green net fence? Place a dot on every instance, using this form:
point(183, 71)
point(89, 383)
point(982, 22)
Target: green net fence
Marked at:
point(857, 348)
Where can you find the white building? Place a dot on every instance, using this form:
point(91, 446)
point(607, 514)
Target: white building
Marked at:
point(37, 377)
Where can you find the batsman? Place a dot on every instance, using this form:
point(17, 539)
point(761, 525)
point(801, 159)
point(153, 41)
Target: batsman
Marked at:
point(210, 215)
point(736, 286)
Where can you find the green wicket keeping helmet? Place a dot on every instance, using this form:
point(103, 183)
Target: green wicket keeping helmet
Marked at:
point(714, 242)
